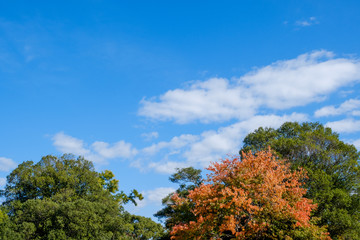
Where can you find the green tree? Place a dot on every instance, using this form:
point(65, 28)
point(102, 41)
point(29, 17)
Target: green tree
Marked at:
point(6, 230)
point(143, 228)
point(333, 170)
point(188, 179)
point(65, 198)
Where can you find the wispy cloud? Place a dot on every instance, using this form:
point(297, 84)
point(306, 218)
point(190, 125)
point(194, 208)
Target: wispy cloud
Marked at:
point(150, 136)
point(227, 140)
point(282, 85)
point(173, 145)
point(158, 194)
point(7, 164)
point(348, 125)
point(210, 146)
point(98, 152)
point(307, 22)
point(180, 151)
point(27, 45)
point(168, 167)
point(351, 107)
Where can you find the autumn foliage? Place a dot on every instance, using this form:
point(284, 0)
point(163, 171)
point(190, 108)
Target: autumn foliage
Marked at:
point(256, 197)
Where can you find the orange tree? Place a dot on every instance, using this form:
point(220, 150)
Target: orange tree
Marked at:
point(256, 197)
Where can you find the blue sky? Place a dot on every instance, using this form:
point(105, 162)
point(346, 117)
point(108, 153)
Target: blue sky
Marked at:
point(143, 87)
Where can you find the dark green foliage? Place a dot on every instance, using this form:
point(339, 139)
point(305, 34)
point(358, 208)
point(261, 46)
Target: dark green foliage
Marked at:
point(65, 198)
point(51, 177)
point(188, 178)
point(6, 227)
point(333, 169)
point(143, 228)
point(184, 176)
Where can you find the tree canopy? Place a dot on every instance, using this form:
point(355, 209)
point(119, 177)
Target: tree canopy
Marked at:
point(256, 197)
point(306, 187)
point(333, 171)
point(65, 198)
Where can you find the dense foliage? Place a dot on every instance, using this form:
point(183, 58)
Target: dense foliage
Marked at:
point(257, 197)
point(333, 170)
point(65, 198)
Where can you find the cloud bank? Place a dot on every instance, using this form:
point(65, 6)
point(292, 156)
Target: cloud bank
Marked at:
point(282, 85)
point(265, 96)
point(210, 146)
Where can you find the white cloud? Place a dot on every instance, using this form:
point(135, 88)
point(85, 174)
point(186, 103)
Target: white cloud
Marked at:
point(7, 164)
point(282, 85)
point(227, 140)
point(308, 22)
point(98, 152)
point(300, 81)
point(173, 145)
point(68, 144)
point(351, 106)
point(348, 125)
point(212, 100)
point(210, 146)
point(2, 182)
point(167, 167)
point(120, 149)
point(158, 194)
point(310, 77)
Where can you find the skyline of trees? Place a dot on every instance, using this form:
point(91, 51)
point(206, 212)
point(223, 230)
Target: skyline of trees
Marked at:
point(65, 198)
